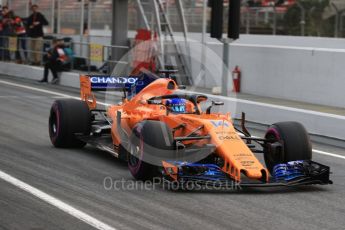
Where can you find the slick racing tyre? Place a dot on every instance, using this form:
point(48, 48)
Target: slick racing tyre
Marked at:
point(67, 118)
point(149, 143)
point(293, 144)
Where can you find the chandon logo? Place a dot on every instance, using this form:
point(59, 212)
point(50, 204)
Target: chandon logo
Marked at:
point(113, 80)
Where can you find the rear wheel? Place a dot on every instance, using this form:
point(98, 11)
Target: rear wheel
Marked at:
point(150, 142)
point(288, 141)
point(67, 118)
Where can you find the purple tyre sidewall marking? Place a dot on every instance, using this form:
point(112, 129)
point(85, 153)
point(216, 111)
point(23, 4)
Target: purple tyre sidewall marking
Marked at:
point(274, 132)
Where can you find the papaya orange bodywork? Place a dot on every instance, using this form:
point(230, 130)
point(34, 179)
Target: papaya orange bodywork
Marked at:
point(238, 158)
point(86, 93)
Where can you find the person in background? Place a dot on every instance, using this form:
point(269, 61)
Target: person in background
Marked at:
point(7, 30)
point(20, 30)
point(54, 61)
point(1, 36)
point(36, 21)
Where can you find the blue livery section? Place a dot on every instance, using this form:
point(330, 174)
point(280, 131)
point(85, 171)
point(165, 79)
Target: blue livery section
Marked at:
point(177, 105)
point(132, 84)
point(113, 82)
point(289, 171)
point(199, 171)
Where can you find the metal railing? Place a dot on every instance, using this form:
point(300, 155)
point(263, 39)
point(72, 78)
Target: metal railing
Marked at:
point(87, 57)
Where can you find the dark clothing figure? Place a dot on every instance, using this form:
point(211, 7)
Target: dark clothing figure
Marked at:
point(36, 21)
point(54, 67)
point(1, 36)
point(53, 63)
point(7, 23)
point(7, 31)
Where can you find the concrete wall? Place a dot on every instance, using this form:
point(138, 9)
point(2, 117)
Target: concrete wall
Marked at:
point(301, 74)
point(301, 69)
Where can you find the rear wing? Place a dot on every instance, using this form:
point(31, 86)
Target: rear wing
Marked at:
point(131, 85)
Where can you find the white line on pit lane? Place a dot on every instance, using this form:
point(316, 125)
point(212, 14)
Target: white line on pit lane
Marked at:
point(29, 97)
point(44, 91)
point(56, 202)
point(328, 154)
point(65, 95)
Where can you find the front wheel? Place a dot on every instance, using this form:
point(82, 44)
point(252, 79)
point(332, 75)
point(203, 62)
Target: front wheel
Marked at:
point(150, 143)
point(287, 141)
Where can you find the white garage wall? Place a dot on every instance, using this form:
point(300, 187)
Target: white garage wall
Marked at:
point(295, 68)
point(309, 75)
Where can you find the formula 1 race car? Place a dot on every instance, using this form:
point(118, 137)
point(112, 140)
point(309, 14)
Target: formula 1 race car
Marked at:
point(161, 130)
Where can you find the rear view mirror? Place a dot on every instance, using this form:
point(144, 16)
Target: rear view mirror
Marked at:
point(154, 102)
point(214, 103)
point(201, 98)
point(217, 103)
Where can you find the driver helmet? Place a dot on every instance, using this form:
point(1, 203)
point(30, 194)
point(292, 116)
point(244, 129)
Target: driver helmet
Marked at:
point(176, 105)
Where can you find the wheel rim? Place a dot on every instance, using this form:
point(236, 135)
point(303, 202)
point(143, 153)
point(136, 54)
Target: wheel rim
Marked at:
point(136, 154)
point(270, 156)
point(272, 136)
point(54, 124)
point(54, 129)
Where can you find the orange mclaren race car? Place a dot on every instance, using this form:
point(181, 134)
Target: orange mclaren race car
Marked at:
point(160, 131)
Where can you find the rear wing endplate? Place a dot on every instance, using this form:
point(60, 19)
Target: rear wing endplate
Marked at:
point(86, 92)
